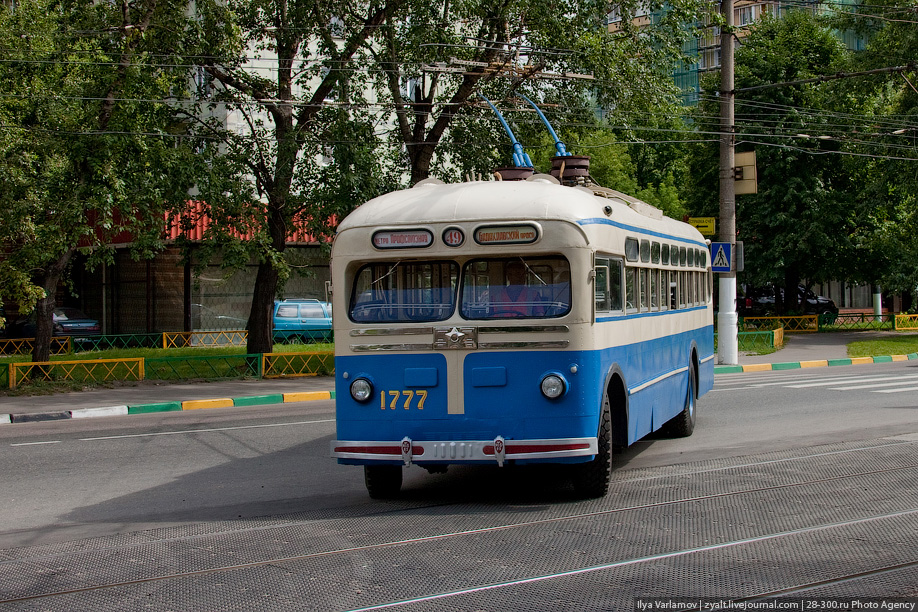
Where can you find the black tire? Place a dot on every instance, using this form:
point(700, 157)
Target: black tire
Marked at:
point(383, 481)
point(683, 424)
point(592, 479)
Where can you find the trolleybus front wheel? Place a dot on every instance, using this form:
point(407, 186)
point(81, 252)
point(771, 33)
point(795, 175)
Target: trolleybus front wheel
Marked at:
point(592, 479)
point(383, 481)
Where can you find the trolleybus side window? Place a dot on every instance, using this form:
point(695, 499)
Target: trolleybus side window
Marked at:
point(632, 248)
point(645, 251)
point(630, 289)
point(645, 289)
point(516, 287)
point(608, 285)
point(398, 291)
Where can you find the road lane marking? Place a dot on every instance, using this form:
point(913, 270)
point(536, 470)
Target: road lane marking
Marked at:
point(210, 430)
point(855, 380)
point(35, 443)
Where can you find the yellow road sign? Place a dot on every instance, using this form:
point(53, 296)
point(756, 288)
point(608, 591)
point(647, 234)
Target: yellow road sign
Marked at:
point(705, 225)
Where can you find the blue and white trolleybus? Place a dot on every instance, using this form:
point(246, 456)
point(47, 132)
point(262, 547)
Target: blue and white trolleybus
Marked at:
point(500, 322)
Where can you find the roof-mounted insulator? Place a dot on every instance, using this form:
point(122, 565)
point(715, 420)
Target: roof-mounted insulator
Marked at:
point(571, 169)
point(513, 174)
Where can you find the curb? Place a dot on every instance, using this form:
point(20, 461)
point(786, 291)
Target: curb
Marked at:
point(818, 363)
point(199, 404)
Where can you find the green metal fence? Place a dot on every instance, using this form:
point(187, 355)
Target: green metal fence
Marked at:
point(276, 365)
point(212, 366)
point(122, 341)
point(855, 321)
point(802, 323)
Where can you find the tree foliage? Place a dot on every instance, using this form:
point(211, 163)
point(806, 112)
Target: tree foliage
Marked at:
point(434, 61)
point(87, 151)
point(290, 122)
point(800, 225)
point(360, 93)
point(887, 238)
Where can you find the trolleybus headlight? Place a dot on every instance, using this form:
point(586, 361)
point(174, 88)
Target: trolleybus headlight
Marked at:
point(553, 386)
point(361, 389)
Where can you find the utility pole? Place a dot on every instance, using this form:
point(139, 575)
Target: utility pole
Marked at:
point(727, 319)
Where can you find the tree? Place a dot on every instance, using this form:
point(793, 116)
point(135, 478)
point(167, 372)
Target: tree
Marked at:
point(800, 224)
point(345, 74)
point(287, 70)
point(86, 149)
point(887, 239)
point(435, 59)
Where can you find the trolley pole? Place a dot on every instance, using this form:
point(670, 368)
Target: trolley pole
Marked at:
point(727, 319)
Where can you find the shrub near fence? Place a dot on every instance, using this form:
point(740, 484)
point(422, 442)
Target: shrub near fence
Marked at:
point(758, 341)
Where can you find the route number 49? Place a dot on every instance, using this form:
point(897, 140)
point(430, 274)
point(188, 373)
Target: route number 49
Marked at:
point(406, 397)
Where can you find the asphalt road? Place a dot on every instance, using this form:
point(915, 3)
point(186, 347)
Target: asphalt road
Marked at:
point(797, 484)
point(73, 479)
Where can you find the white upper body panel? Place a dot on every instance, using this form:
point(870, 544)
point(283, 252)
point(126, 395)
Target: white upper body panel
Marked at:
point(507, 201)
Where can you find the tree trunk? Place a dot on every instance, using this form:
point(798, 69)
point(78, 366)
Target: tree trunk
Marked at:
point(261, 322)
point(791, 293)
point(261, 317)
point(44, 308)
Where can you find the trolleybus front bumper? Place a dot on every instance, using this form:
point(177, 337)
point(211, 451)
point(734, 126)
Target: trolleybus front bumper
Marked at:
point(498, 450)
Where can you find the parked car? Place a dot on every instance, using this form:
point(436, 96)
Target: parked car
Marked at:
point(67, 321)
point(761, 302)
point(302, 320)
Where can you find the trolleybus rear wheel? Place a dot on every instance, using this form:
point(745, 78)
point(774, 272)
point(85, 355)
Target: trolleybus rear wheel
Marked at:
point(382, 481)
point(683, 424)
point(592, 479)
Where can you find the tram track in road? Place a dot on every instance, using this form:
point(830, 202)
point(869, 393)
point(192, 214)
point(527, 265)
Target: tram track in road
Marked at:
point(794, 590)
point(449, 539)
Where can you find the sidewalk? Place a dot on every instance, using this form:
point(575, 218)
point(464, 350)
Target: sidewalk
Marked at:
point(144, 398)
point(812, 350)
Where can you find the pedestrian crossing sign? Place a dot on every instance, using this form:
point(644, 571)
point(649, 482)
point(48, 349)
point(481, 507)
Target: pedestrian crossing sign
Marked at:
point(721, 257)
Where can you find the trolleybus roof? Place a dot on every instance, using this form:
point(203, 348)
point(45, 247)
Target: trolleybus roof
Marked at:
point(535, 200)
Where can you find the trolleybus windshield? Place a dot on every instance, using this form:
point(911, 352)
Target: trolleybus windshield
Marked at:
point(404, 291)
point(494, 288)
point(514, 288)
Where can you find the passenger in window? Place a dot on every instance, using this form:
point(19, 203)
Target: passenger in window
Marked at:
point(516, 298)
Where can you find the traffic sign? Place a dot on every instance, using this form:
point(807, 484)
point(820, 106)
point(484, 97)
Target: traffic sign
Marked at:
point(705, 225)
point(721, 257)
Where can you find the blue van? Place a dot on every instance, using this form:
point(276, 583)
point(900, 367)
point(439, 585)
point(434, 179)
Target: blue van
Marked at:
point(302, 321)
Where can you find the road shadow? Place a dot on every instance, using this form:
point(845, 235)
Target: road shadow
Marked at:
point(302, 483)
